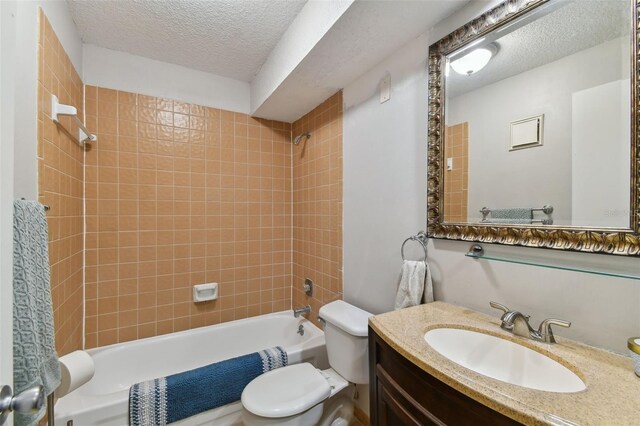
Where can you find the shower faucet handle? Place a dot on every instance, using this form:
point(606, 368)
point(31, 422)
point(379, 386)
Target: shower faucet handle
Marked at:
point(307, 287)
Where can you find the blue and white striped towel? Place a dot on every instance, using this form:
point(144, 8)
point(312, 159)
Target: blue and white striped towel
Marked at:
point(176, 397)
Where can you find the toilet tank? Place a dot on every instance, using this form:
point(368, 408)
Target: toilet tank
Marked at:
point(345, 334)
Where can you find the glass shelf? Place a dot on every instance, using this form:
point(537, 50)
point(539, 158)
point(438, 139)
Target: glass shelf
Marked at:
point(477, 252)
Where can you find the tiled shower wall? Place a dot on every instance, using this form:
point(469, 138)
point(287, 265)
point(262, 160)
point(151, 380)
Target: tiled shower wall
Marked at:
point(60, 181)
point(177, 195)
point(456, 180)
point(317, 205)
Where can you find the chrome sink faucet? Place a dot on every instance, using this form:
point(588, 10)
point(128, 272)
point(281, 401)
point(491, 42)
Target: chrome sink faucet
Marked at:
point(518, 323)
point(302, 311)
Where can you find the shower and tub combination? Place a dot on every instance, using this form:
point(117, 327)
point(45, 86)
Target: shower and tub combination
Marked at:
point(104, 400)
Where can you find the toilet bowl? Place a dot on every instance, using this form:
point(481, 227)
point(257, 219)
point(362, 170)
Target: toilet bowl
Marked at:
point(292, 396)
point(296, 395)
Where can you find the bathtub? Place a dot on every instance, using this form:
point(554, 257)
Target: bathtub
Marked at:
point(104, 400)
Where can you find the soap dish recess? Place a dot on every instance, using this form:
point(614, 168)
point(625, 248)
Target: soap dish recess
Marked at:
point(205, 292)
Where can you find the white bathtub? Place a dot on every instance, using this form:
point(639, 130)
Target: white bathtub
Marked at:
point(104, 399)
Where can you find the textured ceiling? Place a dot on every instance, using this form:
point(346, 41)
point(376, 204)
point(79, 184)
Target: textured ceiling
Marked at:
point(230, 38)
point(367, 33)
point(574, 27)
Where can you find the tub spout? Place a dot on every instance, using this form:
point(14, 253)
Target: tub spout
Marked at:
point(301, 311)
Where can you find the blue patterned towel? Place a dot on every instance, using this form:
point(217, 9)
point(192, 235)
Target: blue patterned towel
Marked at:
point(35, 361)
point(172, 398)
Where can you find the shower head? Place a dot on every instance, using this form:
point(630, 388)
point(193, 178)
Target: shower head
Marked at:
point(298, 139)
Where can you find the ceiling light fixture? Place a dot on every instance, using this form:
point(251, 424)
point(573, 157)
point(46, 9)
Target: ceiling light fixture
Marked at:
point(475, 60)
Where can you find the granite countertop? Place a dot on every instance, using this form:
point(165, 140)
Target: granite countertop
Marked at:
point(612, 396)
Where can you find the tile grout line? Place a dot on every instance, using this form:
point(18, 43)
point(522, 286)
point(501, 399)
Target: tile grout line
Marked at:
point(291, 215)
point(84, 225)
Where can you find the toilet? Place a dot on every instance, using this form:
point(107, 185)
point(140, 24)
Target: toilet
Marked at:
point(299, 394)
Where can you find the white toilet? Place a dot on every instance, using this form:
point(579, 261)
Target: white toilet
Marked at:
point(296, 395)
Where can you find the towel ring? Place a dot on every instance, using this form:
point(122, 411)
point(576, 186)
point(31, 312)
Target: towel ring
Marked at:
point(421, 238)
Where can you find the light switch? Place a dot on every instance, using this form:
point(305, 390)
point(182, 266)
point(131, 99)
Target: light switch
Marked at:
point(385, 89)
point(450, 163)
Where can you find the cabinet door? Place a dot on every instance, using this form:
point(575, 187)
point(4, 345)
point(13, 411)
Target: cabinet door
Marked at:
point(392, 413)
point(397, 408)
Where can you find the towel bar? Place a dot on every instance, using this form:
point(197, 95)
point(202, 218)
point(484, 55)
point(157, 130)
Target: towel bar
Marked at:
point(421, 238)
point(46, 206)
point(546, 209)
point(51, 417)
point(58, 109)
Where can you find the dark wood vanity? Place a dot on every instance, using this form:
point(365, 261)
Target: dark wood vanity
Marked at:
point(401, 393)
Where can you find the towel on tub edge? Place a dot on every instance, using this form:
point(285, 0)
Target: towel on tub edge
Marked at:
point(176, 397)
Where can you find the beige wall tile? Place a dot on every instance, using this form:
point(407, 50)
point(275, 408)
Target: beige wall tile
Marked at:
point(179, 194)
point(317, 205)
point(174, 208)
point(455, 182)
point(60, 185)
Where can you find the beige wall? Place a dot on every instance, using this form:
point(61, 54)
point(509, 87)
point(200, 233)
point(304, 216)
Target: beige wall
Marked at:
point(317, 205)
point(385, 148)
point(60, 181)
point(179, 194)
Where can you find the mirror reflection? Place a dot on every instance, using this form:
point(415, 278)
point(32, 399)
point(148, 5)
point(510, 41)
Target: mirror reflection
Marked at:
point(538, 120)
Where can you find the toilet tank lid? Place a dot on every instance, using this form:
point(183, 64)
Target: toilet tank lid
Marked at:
point(349, 318)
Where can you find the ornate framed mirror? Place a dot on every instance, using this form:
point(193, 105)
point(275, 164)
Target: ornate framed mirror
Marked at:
point(533, 127)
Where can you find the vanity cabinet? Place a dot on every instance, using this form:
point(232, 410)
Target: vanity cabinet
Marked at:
point(401, 393)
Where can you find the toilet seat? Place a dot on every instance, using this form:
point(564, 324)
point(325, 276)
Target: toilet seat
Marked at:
point(286, 391)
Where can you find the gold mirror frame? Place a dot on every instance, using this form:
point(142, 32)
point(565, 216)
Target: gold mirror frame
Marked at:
point(620, 241)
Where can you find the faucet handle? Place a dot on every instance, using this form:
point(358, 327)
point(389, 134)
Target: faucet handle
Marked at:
point(496, 305)
point(546, 332)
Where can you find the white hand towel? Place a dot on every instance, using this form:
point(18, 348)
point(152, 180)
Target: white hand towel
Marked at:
point(427, 296)
point(415, 285)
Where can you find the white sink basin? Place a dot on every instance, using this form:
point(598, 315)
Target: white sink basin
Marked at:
point(503, 360)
